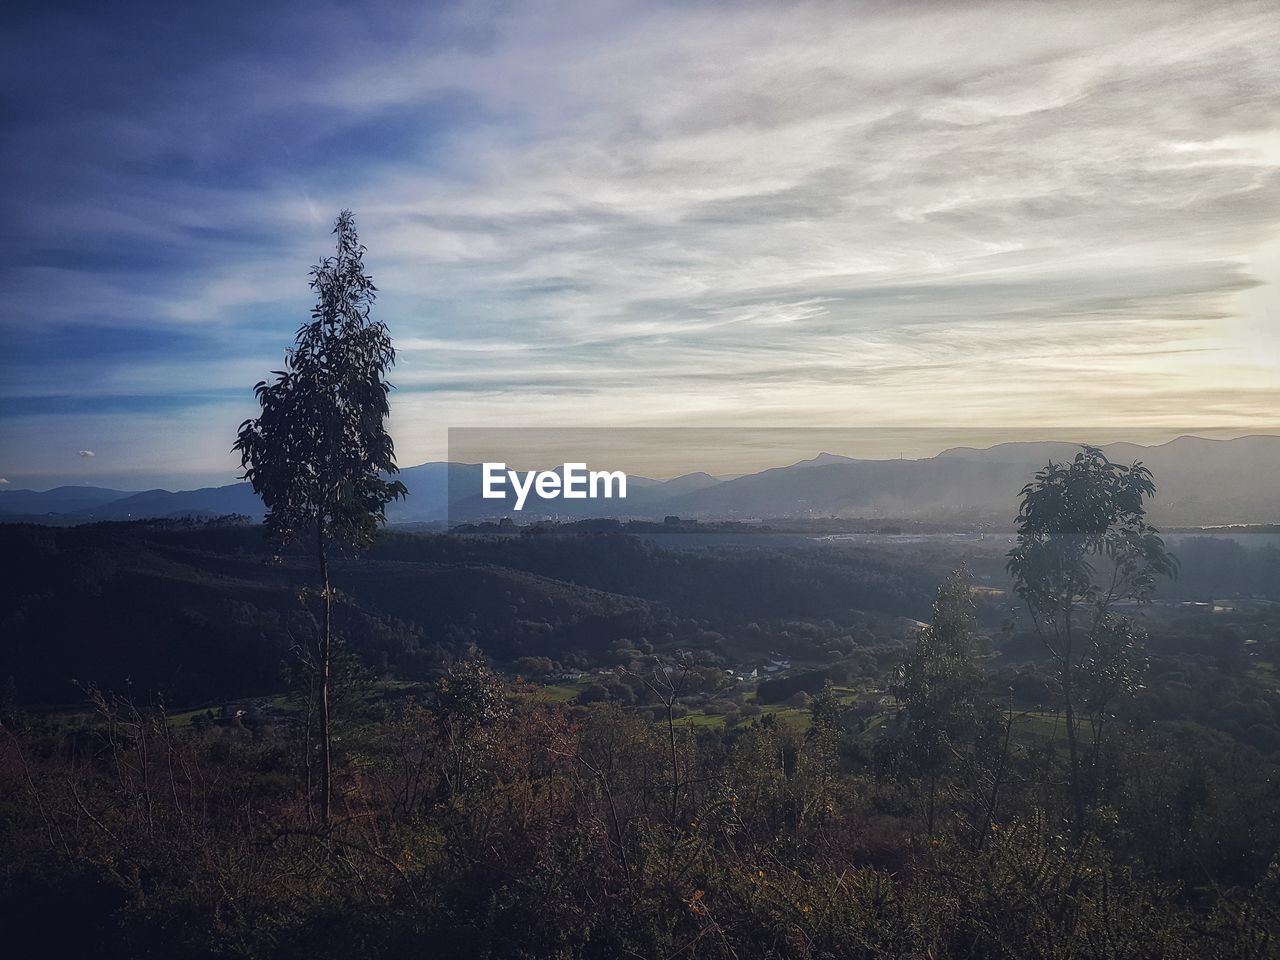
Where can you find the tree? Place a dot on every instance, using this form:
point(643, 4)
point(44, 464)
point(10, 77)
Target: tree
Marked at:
point(939, 686)
point(1112, 668)
point(318, 452)
point(470, 701)
point(1083, 545)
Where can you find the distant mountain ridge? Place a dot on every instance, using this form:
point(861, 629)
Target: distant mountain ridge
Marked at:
point(1199, 481)
point(57, 500)
point(92, 504)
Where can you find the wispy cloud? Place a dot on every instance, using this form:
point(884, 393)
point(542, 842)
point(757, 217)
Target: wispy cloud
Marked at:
point(629, 213)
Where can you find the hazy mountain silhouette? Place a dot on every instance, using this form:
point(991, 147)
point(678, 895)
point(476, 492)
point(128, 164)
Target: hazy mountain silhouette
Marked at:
point(57, 500)
point(1200, 482)
point(207, 501)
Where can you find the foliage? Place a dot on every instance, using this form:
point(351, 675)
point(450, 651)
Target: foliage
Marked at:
point(316, 452)
point(1074, 515)
point(938, 683)
point(1072, 518)
point(559, 841)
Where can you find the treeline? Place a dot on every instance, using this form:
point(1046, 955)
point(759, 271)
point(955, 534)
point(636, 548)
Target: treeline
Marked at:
point(196, 613)
point(722, 583)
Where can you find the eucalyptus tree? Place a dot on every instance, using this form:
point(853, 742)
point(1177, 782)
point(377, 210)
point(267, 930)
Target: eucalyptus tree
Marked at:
point(1083, 546)
point(319, 453)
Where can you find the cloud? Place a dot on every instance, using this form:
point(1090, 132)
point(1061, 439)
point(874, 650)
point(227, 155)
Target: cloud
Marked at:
point(85, 454)
point(3, 481)
point(624, 213)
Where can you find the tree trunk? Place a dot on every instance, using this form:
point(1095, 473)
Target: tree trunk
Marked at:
point(675, 763)
point(326, 648)
point(933, 793)
point(997, 779)
point(1077, 790)
point(1068, 699)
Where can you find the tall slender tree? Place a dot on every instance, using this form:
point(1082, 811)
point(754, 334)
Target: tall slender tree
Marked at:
point(319, 452)
point(1083, 545)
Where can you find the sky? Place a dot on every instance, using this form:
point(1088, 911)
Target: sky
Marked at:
point(1007, 216)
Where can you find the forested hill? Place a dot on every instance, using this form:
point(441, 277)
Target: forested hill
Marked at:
point(196, 614)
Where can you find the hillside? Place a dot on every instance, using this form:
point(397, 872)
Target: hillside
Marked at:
point(194, 613)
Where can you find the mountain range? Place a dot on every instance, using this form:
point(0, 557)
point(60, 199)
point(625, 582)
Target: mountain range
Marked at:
point(1199, 481)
